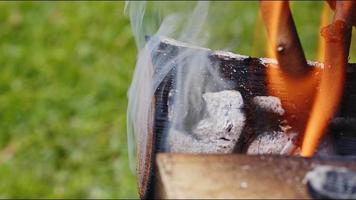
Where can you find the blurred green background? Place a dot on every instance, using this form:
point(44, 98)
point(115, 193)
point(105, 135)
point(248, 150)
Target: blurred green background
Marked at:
point(65, 68)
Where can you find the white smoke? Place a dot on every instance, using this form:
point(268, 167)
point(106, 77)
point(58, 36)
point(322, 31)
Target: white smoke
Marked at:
point(195, 74)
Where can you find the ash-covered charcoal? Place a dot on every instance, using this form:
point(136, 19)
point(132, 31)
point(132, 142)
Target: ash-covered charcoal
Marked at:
point(218, 131)
point(224, 120)
point(275, 142)
point(181, 142)
point(270, 137)
point(268, 114)
point(328, 182)
point(223, 124)
point(269, 104)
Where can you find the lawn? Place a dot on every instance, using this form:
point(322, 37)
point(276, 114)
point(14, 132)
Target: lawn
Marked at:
point(65, 68)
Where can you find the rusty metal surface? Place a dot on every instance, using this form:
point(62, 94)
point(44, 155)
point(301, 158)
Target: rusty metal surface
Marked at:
point(236, 176)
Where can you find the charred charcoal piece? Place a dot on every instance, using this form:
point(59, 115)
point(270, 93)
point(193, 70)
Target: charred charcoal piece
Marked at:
point(218, 131)
point(276, 142)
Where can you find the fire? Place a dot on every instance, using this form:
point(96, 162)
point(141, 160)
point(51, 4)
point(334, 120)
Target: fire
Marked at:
point(273, 21)
point(330, 87)
point(337, 37)
point(310, 98)
point(324, 21)
point(295, 92)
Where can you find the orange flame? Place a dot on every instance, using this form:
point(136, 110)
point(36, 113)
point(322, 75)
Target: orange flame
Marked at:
point(277, 9)
point(296, 93)
point(330, 87)
point(311, 100)
point(324, 21)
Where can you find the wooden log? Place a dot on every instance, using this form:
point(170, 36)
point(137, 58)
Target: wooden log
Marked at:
point(236, 176)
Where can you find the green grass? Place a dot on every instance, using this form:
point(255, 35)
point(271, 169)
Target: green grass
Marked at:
point(65, 68)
